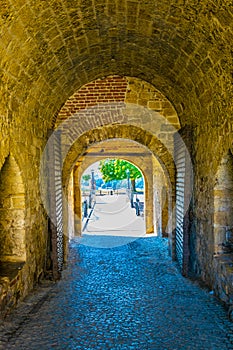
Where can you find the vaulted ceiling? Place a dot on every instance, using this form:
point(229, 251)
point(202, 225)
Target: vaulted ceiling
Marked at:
point(50, 48)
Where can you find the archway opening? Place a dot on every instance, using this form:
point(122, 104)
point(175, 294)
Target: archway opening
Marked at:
point(12, 219)
point(140, 114)
point(156, 206)
point(12, 212)
point(113, 199)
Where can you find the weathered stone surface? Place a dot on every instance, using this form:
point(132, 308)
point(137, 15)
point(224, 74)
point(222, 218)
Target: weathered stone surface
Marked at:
point(173, 51)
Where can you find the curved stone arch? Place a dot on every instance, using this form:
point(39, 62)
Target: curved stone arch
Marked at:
point(156, 180)
point(119, 131)
point(108, 120)
point(156, 128)
point(127, 158)
point(144, 164)
point(190, 58)
point(114, 89)
point(118, 100)
point(148, 190)
point(133, 133)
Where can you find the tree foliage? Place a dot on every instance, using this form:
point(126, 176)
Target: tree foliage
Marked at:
point(118, 169)
point(86, 177)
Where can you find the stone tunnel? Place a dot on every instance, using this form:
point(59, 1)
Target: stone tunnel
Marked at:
point(78, 75)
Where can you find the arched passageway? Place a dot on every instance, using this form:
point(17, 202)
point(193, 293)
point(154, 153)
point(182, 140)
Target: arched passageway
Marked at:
point(80, 127)
point(148, 164)
point(116, 210)
point(12, 213)
point(13, 232)
point(58, 58)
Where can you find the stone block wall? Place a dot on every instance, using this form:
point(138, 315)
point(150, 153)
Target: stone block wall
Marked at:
point(223, 204)
point(223, 278)
point(12, 212)
point(23, 219)
point(216, 142)
point(115, 93)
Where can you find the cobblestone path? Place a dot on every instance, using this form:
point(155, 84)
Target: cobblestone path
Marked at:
point(128, 297)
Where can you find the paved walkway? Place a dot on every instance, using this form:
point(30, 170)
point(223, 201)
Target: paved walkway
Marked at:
point(112, 219)
point(131, 297)
point(118, 292)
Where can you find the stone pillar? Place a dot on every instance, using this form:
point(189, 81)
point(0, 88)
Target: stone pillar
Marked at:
point(165, 212)
point(70, 200)
point(149, 211)
point(162, 203)
point(77, 203)
point(223, 205)
point(65, 227)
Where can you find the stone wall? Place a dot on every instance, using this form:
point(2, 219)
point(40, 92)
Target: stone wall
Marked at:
point(222, 230)
point(115, 93)
point(12, 212)
point(223, 204)
point(216, 142)
point(23, 218)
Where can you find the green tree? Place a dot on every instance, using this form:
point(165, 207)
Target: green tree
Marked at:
point(86, 177)
point(119, 169)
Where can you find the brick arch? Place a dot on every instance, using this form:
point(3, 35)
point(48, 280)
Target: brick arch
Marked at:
point(114, 90)
point(113, 100)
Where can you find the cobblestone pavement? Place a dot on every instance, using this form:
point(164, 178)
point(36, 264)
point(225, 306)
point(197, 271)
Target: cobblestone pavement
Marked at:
point(124, 298)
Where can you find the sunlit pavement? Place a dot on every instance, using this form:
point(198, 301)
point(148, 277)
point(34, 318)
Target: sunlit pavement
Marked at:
point(112, 223)
point(127, 297)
